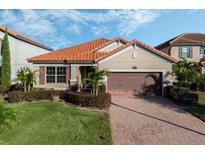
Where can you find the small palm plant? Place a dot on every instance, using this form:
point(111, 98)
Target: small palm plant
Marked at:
point(26, 78)
point(186, 73)
point(95, 79)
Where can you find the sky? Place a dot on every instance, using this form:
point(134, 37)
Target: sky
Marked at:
point(63, 28)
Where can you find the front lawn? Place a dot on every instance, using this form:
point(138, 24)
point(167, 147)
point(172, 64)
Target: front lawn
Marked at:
point(54, 123)
point(198, 109)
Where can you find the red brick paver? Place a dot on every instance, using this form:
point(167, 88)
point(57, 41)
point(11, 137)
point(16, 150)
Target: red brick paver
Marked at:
point(153, 120)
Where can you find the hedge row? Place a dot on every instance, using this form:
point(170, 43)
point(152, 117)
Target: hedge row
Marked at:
point(83, 99)
point(191, 97)
point(77, 98)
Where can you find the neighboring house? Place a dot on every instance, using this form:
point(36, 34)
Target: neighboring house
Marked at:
point(188, 45)
point(21, 47)
point(136, 67)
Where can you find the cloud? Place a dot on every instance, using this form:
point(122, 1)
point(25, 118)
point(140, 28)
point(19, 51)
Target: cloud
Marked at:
point(57, 41)
point(127, 21)
point(46, 25)
point(28, 22)
point(101, 30)
point(73, 29)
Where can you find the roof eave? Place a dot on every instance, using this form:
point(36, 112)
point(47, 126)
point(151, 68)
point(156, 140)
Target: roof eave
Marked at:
point(19, 38)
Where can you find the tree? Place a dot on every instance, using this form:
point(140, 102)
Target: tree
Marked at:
point(95, 79)
point(201, 82)
point(6, 63)
point(26, 78)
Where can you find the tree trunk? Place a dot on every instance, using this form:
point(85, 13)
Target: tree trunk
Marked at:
point(24, 86)
point(96, 90)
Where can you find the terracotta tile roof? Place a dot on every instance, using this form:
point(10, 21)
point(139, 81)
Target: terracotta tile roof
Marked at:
point(22, 37)
point(184, 39)
point(82, 52)
point(87, 51)
point(140, 43)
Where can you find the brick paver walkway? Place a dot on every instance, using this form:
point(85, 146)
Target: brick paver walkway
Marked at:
point(153, 121)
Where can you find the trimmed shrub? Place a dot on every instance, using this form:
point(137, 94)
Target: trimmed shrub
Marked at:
point(74, 87)
point(83, 99)
point(19, 96)
point(185, 97)
point(78, 98)
point(15, 87)
point(41, 89)
point(102, 89)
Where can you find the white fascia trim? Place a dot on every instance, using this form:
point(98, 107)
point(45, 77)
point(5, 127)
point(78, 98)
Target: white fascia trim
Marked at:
point(83, 64)
point(64, 64)
point(137, 70)
point(50, 65)
point(164, 72)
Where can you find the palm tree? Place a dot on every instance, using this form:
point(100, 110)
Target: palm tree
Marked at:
point(95, 79)
point(31, 79)
point(186, 73)
point(185, 70)
point(26, 77)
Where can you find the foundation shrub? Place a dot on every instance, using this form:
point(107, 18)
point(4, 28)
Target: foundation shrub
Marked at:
point(101, 101)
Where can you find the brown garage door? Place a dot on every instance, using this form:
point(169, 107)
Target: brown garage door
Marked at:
point(140, 83)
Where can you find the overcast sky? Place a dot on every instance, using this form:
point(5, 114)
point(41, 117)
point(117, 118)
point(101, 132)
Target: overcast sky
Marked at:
point(63, 28)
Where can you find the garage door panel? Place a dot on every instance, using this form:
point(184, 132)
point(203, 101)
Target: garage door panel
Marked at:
point(135, 83)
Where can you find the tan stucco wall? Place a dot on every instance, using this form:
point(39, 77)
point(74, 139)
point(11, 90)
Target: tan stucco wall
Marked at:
point(19, 52)
point(75, 73)
point(196, 53)
point(54, 86)
point(144, 60)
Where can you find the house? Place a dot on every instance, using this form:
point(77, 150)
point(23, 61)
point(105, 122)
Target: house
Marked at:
point(21, 48)
point(187, 45)
point(136, 67)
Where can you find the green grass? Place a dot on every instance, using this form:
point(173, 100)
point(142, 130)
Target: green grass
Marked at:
point(198, 109)
point(201, 98)
point(54, 123)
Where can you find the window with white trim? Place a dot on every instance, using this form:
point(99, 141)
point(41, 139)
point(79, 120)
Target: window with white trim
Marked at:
point(61, 74)
point(185, 52)
point(56, 74)
point(202, 52)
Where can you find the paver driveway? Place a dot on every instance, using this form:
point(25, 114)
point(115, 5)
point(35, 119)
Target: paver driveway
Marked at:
point(153, 120)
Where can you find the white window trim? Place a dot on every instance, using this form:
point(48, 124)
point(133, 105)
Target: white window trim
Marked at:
point(189, 50)
point(55, 75)
point(202, 55)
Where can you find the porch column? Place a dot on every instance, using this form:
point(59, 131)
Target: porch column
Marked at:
point(41, 75)
point(68, 73)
